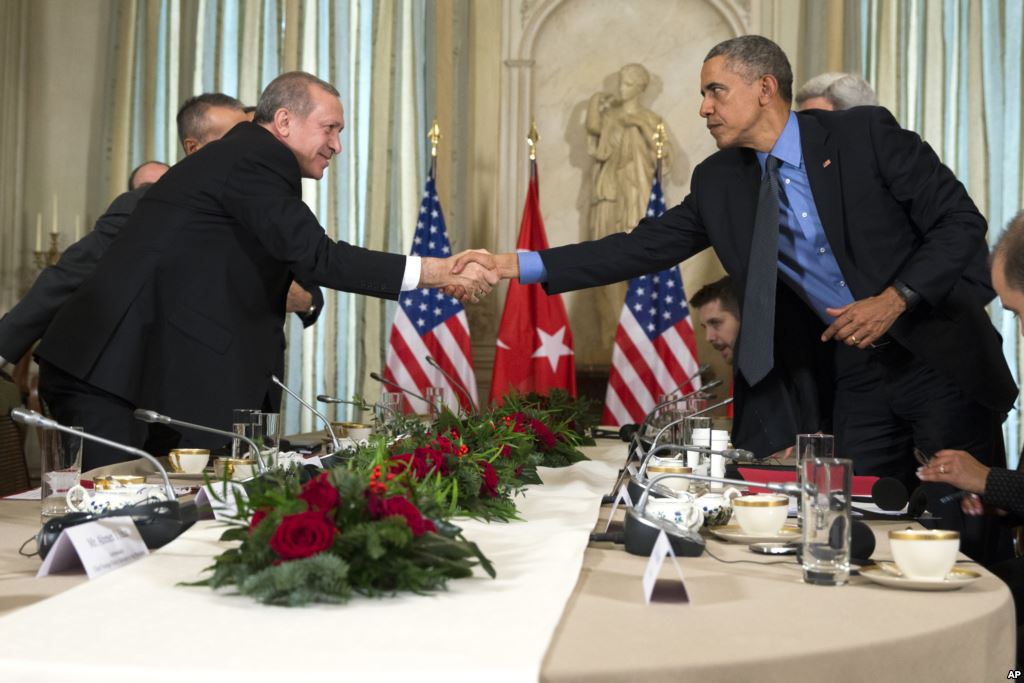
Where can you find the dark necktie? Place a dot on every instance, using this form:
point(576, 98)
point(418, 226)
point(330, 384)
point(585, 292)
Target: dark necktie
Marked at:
point(757, 339)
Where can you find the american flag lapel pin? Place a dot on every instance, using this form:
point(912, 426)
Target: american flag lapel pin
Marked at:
point(827, 163)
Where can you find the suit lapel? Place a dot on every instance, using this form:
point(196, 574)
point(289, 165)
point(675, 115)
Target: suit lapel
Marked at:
point(821, 159)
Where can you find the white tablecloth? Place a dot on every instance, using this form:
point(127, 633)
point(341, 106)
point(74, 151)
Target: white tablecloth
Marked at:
point(136, 623)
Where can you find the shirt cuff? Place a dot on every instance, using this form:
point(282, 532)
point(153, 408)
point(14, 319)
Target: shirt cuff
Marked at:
point(411, 278)
point(531, 268)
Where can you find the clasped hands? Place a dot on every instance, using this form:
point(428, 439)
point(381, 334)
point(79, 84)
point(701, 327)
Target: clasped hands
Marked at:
point(467, 276)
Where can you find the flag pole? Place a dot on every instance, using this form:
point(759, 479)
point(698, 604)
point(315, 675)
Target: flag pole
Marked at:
point(434, 135)
point(531, 140)
point(659, 148)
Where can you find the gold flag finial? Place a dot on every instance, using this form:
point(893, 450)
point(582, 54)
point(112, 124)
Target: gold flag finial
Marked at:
point(659, 140)
point(434, 135)
point(531, 139)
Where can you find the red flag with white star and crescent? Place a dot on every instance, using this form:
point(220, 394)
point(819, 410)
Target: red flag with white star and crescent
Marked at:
point(534, 340)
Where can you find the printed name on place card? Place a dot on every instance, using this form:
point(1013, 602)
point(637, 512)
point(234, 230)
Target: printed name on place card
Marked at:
point(99, 547)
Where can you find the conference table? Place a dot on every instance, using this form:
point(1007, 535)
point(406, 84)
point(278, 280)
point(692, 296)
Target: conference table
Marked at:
point(748, 616)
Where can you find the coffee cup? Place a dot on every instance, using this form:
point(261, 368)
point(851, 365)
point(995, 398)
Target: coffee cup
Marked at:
point(98, 501)
point(761, 514)
point(189, 460)
point(659, 466)
point(681, 511)
point(238, 469)
point(357, 431)
point(924, 554)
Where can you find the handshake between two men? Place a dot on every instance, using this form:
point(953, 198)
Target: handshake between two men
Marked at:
point(469, 275)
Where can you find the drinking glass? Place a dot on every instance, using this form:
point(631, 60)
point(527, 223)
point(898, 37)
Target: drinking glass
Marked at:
point(825, 485)
point(437, 399)
point(389, 407)
point(809, 446)
point(268, 436)
point(243, 422)
point(61, 469)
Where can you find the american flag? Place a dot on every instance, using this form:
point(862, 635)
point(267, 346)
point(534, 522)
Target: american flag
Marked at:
point(655, 349)
point(429, 323)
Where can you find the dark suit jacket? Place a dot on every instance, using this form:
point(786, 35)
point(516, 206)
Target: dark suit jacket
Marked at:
point(27, 321)
point(25, 324)
point(184, 313)
point(890, 210)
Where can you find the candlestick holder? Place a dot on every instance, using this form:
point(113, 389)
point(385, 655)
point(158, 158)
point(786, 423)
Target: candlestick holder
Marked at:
point(50, 256)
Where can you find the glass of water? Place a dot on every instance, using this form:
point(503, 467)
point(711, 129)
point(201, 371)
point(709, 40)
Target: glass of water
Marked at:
point(825, 485)
point(61, 469)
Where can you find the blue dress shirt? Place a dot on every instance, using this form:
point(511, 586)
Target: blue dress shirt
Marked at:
point(806, 261)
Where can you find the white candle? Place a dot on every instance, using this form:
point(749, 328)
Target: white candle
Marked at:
point(54, 213)
point(78, 226)
point(39, 231)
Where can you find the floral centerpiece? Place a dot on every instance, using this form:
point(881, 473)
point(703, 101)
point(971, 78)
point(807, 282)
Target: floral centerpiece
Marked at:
point(341, 532)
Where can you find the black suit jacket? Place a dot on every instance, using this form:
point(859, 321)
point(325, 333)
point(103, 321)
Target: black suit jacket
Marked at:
point(27, 321)
point(890, 210)
point(184, 313)
point(25, 324)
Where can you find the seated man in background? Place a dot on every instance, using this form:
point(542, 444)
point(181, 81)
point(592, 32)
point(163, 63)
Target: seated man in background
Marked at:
point(145, 174)
point(719, 315)
point(994, 490)
point(990, 487)
point(835, 91)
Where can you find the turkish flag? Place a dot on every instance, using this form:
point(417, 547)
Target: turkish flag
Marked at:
point(534, 340)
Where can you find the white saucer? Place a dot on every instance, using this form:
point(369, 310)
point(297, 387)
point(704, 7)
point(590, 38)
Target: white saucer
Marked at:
point(734, 533)
point(887, 574)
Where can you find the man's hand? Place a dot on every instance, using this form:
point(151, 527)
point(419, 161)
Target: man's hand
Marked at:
point(863, 322)
point(299, 300)
point(958, 468)
point(467, 280)
point(506, 265)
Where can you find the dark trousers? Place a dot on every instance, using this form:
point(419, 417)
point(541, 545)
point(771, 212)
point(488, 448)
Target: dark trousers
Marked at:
point(887, 403)
point(76, 403)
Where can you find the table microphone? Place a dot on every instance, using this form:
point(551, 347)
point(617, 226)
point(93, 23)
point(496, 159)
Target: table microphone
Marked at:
point(889, 494)
point(151, 417)
point(456, 383)
point(635, 441)
point(158, 522)
point(395, 385)
point(327, 423)
point(689, 378)
point(326, 398)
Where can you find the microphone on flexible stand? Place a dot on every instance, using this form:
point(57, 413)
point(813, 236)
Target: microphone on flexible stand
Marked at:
point(395, 385)
point(158, 522)
point(635, 440)
point(689, 378)
point(455, 383)
point(327, 423)
point(642, 427)
point(153, 417)
point(326, 398)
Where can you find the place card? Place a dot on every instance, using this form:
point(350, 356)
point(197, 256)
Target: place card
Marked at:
point(100, 547)
point(663, 590)
point(217, 500)
point(621, 497)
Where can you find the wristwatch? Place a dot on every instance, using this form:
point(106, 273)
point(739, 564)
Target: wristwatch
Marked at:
point(909, 296)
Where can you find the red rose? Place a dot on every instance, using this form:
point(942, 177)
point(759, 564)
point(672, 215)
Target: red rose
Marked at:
point(320, 494)
point(444, 445)
point(303, 535)
point(399, 506)
point(489, 485)
point(543, 434)
point(257, 517)
point(506, 451)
